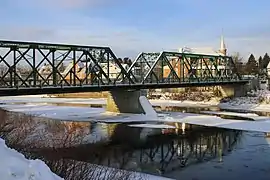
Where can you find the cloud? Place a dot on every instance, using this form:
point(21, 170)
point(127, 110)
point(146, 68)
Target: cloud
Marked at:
point(124, 42)
point(67, 4)
point(127, 41)
point(26, 33)
point(70, 3)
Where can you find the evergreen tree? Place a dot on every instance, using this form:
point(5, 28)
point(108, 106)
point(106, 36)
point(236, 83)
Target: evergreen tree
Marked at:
point(260, 61)
point(252, 66)
point(125, 60)
point(265, 60)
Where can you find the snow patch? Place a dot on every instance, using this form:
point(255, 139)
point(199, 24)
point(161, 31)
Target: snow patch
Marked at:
point(15, 166)
point(258, 126)
point(185, 103)
point(252, 116)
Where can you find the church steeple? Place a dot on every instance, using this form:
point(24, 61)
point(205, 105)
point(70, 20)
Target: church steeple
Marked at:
point(222, 49)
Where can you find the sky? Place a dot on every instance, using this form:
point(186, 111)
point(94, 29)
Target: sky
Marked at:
point(133, 26)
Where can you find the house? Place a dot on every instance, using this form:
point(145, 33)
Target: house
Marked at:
point(178, 67)
point(267, 70)
point(83, 68)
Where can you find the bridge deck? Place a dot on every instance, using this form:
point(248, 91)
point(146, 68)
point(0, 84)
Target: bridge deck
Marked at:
point(99, 88)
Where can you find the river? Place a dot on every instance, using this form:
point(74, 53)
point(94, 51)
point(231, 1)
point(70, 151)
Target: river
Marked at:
point(200, 153)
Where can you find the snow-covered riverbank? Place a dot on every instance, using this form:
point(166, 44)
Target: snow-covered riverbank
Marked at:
point(186, 103)
point(15, 166)
point(258, 101)
point(254, 102)
point(242, 103)
point(100, 101)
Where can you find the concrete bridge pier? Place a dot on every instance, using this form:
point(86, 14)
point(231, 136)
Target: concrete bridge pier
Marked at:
point(237, 90)
point(125, 101)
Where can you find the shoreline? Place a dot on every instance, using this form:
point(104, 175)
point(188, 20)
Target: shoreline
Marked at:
point(264, 108)
point(247, 104)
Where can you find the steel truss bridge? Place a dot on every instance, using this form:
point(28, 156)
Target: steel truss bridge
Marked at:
point(94, 68)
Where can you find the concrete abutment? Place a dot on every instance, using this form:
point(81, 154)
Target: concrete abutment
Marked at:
point(237, 90)
point(125, 101)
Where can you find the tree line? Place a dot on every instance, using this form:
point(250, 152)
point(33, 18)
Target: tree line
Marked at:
point(253, 66)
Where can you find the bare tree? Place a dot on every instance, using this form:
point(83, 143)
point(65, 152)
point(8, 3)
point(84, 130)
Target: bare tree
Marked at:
point(239, 62)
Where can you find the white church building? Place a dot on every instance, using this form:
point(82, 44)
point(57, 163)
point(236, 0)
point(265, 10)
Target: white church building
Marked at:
point(207, 50)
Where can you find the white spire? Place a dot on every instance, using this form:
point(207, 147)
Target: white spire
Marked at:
point(222, 43)
point(222, 49)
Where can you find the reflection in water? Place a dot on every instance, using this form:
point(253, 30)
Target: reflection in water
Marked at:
point(182, 151)
point(66, 145)
point(154, 153)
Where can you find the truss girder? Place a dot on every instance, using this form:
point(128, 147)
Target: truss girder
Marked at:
point(41, 65)
point(27, 64)
point(173, 67)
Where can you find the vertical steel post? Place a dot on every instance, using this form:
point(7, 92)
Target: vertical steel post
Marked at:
point(14, 68)
point(54, 68)
point(34, 66)
point(74, 68)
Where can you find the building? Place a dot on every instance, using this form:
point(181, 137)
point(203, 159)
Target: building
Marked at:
point(179, 68)
point(83, 70)
point(207, 50)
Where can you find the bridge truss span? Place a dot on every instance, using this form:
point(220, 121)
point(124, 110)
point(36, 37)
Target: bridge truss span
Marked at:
point(174, 67)
point(37, 68)
point(25, 64)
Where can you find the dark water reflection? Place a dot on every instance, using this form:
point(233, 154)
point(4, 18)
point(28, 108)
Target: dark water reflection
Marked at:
point(156, 152)
point(250, 159)
point(204, 153)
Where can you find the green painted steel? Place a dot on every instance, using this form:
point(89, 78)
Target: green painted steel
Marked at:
point(31, 65)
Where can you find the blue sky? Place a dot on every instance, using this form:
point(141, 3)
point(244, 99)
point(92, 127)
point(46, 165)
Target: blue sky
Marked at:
point(132, 26)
